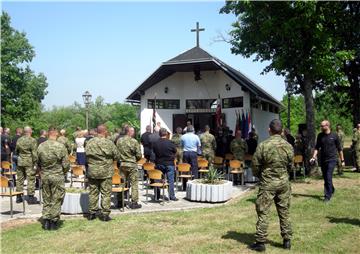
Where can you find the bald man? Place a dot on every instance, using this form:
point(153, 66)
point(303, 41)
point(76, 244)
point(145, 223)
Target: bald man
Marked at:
point(328, 143)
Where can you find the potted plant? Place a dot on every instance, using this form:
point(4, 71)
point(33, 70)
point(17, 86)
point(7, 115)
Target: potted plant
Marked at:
point(211, 189)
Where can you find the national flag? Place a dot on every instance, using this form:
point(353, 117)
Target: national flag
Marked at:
point(218, 114)
point(243, 124)
point(154, 115)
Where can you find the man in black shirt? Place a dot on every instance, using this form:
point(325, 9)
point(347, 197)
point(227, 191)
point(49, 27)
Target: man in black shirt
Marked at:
point(289, 138)
point(328, 144)
point(145, 141)
point(165, 152)
point(42, 138)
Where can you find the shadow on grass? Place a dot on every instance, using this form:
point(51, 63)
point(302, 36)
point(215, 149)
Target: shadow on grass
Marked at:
point(318, 197)
point(252, 200)
point(355, 222)
point(247, 238)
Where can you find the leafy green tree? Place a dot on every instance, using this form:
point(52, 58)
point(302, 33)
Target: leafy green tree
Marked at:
point(292, 35)
point(21, 89)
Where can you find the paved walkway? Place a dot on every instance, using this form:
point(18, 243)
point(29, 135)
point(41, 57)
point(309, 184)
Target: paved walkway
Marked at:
point(34, 211)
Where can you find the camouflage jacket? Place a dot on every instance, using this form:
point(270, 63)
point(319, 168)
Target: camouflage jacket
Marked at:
point(176, 139)
point(100, 155)
point(26, 150)
point(65, 141)
point(129, 151)
point(272, 161)
point(238, 147)
point(356, 140)
point(341, 136)
point(208, 143)
point(53, 158)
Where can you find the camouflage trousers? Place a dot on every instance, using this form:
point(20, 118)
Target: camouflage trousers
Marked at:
point(22, 173)
point(100, 187)
point(265, 198)
point(179, 155)
point(209, 156)
point(53, 191)
point(131, 175)
point(357, 157)
point(339, 166)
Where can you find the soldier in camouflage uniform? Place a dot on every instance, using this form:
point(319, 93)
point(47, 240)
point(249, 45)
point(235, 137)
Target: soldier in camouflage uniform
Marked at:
point(356, 145)
point(100, 154)
point(27, 158)
point(341, 136)
point(238, 146)
point(208, 145)
point(53, 164)
point(176, 139)
point(130, 153)
point(271, 163)
point(65, 141)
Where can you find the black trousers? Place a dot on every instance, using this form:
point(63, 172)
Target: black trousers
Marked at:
point(327, 169)
point(191, 158)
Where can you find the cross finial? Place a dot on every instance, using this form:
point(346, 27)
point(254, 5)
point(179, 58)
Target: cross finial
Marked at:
point(197, 30)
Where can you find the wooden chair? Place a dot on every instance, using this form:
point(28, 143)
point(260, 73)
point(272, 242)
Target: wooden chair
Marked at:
point(218, 162)
point(158, 182)
point(116, 168)
point(119, 187)
point(9, 192)
point(237, 168)
point(229, 156)
point(203, 167)
point(147, 166)
point(7, 170)
point(77, 171)
point(184, 172)
point(72, 159)
point(298, 164)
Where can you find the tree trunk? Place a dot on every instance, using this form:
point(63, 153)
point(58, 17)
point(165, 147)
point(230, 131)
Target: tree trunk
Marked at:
point(355, 93)
point(310, 122)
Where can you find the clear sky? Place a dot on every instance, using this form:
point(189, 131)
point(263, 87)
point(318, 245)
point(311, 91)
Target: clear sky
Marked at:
point(110, 48)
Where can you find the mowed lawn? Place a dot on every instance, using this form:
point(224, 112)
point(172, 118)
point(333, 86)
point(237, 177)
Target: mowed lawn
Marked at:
point(318, 227)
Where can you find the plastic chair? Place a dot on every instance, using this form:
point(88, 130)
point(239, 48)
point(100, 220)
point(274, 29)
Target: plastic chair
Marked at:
point(72, 159)
point(237, 168)
point(158, 182)
point(4, 184)
point(119, 187)
point(7, 170)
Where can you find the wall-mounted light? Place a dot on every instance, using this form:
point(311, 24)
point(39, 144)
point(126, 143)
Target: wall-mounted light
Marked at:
point(227, 87)
point(166, 89)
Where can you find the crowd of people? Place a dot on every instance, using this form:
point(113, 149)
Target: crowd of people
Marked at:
point(97, 149)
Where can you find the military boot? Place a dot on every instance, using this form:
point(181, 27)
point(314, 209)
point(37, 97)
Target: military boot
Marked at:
point(32, 200)
point(46, 224)
point(287, 244)
point(258, 246)
point(53, 225)
point(19, 199)
point(135, 205)
point(91, 216)
point(105, 217)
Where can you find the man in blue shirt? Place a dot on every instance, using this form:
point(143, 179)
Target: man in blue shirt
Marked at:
point(191, 144)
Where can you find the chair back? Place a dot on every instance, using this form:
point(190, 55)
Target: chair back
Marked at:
point(155, 174)
point(115, 164)
point(116, 179)
point(148, 166)
point(141, 161)
point(184, 167)
point(298, 159)
point(4, 183)
point(6, 165)
point(72, 159)
point(218, 160)
point(229, 156)
point(235, 164)
point(77, 170)
point(203, 163)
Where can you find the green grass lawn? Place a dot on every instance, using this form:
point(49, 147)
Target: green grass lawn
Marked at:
point(318, 227)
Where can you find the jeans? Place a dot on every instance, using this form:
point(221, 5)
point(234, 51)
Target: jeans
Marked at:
point(327, 169)
point(169, 171)
point(191, 158)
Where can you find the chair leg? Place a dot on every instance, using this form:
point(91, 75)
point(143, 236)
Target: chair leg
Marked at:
point(23, 201)
point(142, 178)
point(40, 190)
point(122, 201)
point(294, 173)
point(242, 179)
point(71, 180)
point(11, 206)
point(147, 189)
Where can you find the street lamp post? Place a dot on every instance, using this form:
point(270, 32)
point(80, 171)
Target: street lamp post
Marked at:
point(87, 100)
point(288, 90)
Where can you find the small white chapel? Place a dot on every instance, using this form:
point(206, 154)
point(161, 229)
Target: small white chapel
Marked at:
point(189, 87)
